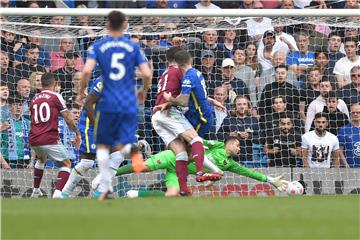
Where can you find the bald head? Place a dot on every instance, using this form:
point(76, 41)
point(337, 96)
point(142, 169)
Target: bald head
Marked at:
point(279, 58)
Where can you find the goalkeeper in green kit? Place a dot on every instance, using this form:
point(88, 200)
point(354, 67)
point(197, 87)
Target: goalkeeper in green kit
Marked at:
point(219, 153)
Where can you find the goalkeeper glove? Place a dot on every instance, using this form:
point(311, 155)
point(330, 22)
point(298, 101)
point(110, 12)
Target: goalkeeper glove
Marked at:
point(278, 182)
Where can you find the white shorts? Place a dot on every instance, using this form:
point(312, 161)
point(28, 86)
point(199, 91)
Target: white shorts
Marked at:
point(55, 152)
point(170, 124)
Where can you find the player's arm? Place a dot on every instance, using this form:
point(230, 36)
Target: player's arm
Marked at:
point(85, 76)
point(342, 157)
point(90, 100)
point(181, 100)
point(277, 182)
point(304, 153)
point(146, 73)
point(216, 103)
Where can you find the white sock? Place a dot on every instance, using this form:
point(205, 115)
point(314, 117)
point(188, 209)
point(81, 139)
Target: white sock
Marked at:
point(104, 168)
point(116, 158)
point(210, 165)
point(76, 174)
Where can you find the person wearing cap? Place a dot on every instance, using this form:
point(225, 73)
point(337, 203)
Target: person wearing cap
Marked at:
point(267, 47)
point(15, 138)
point(58, 58)
point(235, 86)
point(208, 70)
point(66, 74)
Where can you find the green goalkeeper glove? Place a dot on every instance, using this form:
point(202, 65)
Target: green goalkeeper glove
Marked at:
point(278, 182)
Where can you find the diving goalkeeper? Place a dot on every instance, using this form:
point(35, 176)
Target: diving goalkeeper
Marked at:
point(217, 152)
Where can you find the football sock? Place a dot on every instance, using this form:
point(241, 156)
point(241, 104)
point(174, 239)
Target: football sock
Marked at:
point(62, 178)
point(76, 174)
point(104, 169)
point(197, 152)
point(38, 173)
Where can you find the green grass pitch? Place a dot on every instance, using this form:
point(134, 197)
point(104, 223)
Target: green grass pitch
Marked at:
point(308, 217)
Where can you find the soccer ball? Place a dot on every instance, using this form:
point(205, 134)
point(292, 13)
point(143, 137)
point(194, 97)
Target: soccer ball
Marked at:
point(294, 188)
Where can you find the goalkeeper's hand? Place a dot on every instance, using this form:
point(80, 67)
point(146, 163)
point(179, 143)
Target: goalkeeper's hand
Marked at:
point(278, 182)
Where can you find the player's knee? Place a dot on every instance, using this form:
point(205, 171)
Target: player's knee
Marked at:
point(196, 139)
point(66, 163)
point(116, 158)
point(102, 155)
point(182, 156)
point(83, 166)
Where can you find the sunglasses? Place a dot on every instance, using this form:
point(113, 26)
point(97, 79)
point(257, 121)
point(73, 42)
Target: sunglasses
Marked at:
point(355, 75)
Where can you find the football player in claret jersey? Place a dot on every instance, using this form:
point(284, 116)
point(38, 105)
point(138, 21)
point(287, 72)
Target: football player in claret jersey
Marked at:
point(171, 124)
point(45, 108)
point(116, 110)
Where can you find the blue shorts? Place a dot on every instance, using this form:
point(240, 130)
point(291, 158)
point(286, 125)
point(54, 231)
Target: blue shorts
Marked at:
point(87, 140)
point(199, 125)
point(112, 129)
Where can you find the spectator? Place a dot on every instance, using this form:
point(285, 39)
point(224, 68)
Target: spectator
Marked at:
point(235, 87)
point(268, 76)
point(343, 65)
point(7, 72)
point(66, 73)
point(247, 4)
point(23, 89)
point(34, 38)
point(317, 35)
point(256, 27)
point(311, 91)
point(35, 83)
point(58, 59)
point(300, 61)
point(244, 72)
point(15, 139)
point(270, 122)
point(67, 135)
point(126, 4)
point(350, 32)
point(320, 146)
point(229, 43)
point(10, 45)
point(220, 114)
point(59, 30)
point(252, 59)
point(319, 103)
point(286, 38)
point(349, 139)
point(337, 118)
point(210, 39)
point(333, 50)
point(287, 4)
point(88, 35)
point(322, 62)
point(4, 96)
point(350, 93)
point(24, 70)
point(279, 87)
point(284, 146)
point(208, 70)
point(351, 4)
point(206, 4)
point(241, 124)
point(268, 47)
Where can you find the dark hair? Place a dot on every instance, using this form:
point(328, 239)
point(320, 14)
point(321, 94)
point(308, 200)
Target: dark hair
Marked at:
point(116, 19)
point(321, 114)
point(319, 51)
point(231, 139)
point(47, 79)
point(332, 94)
point(15, 99)
point(32, 46)
point(182, 57)
point(170, 53)
point(4, 84)
point(334, 33)
point(281, 66)
point(286, 115)
point(350, 39)
point(279, 96)
point(73, 105)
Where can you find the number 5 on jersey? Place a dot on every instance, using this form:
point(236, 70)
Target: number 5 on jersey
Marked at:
point(116, 64)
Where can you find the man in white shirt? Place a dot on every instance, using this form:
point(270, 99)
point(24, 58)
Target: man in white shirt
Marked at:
point(206, 4)
point(320, 146)
point(343, 65)
point(319, 103)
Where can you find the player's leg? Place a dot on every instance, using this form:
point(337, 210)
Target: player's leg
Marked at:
point(78, 172)
point(38, 171)
point(62, 177)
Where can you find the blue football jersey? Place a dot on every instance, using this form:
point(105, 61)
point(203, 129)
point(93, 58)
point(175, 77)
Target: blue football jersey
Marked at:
point(117, 59)
point(349, 139)
point(193, 84)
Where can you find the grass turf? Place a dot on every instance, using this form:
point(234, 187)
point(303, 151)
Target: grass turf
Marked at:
point(310, 217)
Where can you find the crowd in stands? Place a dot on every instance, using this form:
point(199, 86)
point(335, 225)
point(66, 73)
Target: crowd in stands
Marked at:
point(273, 81)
